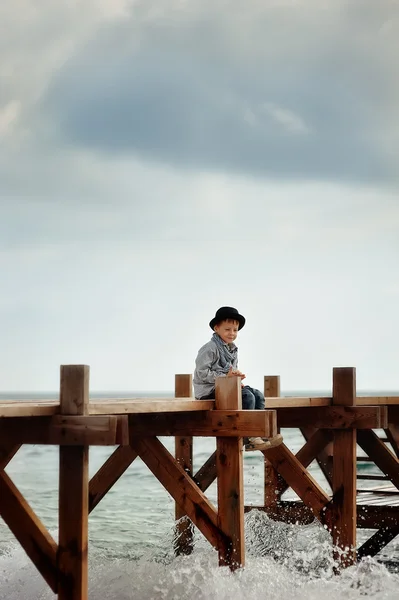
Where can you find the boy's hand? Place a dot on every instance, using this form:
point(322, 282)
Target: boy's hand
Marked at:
point(233, 372)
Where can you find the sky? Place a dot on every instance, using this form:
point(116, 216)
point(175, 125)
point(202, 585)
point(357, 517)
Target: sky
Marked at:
point(160, 159)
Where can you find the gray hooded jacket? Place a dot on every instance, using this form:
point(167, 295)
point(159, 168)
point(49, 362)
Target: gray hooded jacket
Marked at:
point(208, 366)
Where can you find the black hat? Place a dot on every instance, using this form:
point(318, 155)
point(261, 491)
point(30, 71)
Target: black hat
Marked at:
point(227, 312)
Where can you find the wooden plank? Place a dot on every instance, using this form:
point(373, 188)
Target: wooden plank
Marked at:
point(385, 460)
point(376, 542)
point(109, 473)
point(29, 409)
point(229, 468)
point(375, 400)
point(298, 478)
point(28, 530)
point(63, 430)
point(184, 533)
point(226, 423)
point(73, 492)
point(344, 472)
point(181, 487)
point(334, 417)
point(296, 402)
point(149, 406)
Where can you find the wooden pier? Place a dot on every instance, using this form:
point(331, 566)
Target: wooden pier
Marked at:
point(333, 428)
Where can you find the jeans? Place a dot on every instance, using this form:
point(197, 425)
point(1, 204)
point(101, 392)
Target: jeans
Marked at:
point(252, 399)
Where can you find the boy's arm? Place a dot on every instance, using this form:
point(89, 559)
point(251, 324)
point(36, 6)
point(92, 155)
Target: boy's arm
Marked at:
point(204, 362)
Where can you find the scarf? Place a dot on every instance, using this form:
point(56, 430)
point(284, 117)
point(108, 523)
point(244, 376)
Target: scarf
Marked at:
point(227, 354)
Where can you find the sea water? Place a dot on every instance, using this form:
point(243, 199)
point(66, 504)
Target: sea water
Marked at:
point(131, 535)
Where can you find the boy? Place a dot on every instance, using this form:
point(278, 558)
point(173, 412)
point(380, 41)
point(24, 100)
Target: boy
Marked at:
point(218, 358)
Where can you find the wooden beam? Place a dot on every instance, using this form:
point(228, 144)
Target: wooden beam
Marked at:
point(392, 433)
point(181, 487)
point(324, 455)
point(385, 460)
point(297, 402)
point(149, 405)
point(73, 491)
point(271, 386)
point(368, 516)
point(184, 533)
point(229, 468)
point(224, 423)
point(7, 452)
point(292, 512)
point(374, 400)
point(344, 472)
point(28, 530)
point(313, 447)
point(334, 417)
point(29, 409)
point(109, 473)
point(206, 475)
point(298, 478)
point(272, 480)
point(376, 542)
point(63, 430)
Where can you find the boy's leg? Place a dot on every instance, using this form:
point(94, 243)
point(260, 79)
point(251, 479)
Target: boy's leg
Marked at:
point(248, 398)
point(256, 443)
point(259, 400)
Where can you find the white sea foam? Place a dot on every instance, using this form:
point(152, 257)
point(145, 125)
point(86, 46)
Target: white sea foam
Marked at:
point(283, 562)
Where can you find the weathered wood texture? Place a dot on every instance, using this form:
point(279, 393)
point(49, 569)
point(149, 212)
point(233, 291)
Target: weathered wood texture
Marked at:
point(73, 492)
point(180, 486)
point(334, 417)
point(184, 534)
point(7, 451)
point(226, 423)
point(296, 476)
point(385, 460)
point(344, 472)
point(122, 407)
point(109, 473)
point(29, 530)
point(61, 430)
point(273, 482)
point(229, 468)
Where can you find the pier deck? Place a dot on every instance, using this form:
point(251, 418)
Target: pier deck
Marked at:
point(334, 429)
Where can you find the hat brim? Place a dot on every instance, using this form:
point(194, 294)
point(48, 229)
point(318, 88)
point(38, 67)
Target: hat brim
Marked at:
point(235, 317)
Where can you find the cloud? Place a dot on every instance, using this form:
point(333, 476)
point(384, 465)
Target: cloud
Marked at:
point(276, 90)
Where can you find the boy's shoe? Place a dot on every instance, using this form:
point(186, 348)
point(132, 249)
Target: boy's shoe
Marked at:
point(274, 441)
point(256, 443)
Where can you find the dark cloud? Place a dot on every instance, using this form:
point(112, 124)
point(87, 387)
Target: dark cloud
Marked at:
point(290, 91)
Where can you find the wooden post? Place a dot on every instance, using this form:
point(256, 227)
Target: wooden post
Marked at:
point(229, 468)
point(271, 385)
point(344, 472)
point(184, 456)
point(73, 491)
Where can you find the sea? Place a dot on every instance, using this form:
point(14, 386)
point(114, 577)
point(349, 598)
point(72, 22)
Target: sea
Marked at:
point(132, 534)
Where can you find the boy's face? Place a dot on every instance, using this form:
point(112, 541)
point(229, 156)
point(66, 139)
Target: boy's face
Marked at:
point(227, 330)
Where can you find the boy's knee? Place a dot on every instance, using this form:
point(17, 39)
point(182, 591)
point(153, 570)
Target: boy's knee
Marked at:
point(248, 400)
